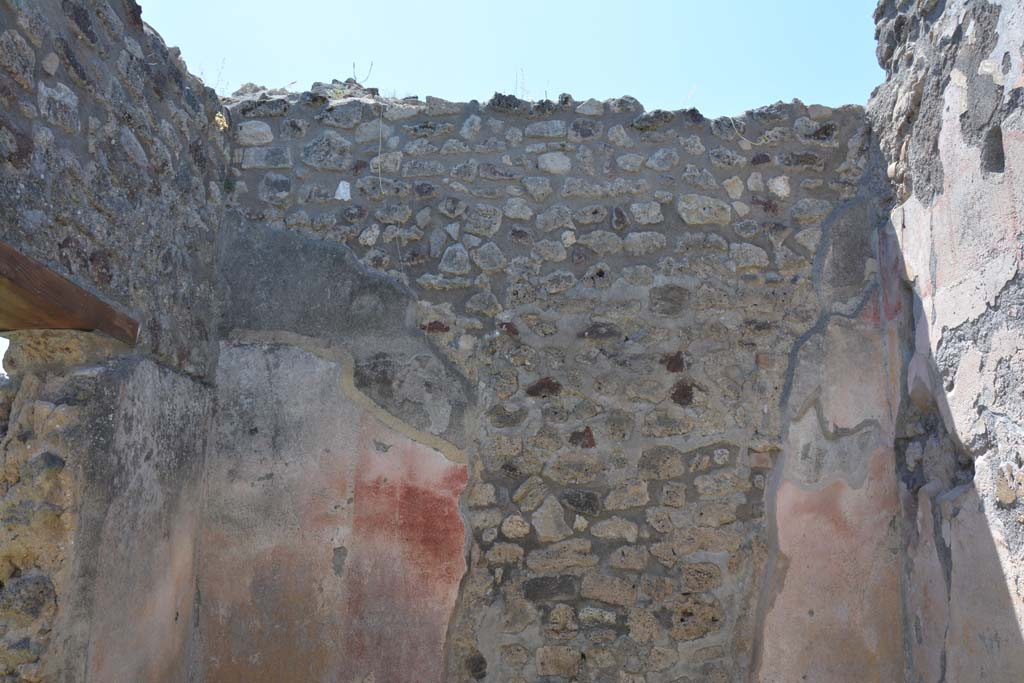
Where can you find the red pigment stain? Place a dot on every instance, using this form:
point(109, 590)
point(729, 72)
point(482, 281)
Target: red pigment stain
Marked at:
point(406, 558)
point(431, 533)
point(871, 312)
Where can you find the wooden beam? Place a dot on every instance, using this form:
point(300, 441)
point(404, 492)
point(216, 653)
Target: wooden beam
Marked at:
point(33, 297)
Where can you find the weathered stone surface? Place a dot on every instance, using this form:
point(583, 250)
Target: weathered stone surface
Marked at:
point(749, 433)
point(18, 58)
point(330, 151)
point(515, 527)
point(669, 300)
point(59, 105)
point(701, 210)
point(628, 495)
point(549, 521)
point(570, 554)
point(694, 616)
point(558, 660)
point(643, 243)
point(556, 163)
point(483, 220)
point(251, 133)
point(370, 566)
point(615, 528)
point(546, 129)
point(574, 468)
point(455, 260)
point(646, 213)
point(665, 159)
point(613, 590)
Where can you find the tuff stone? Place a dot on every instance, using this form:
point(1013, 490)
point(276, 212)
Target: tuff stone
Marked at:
point(628, 495)
point(574, 468)
point(662, 462)
point(643, 243)
point(483, 220)
point(556, 163)
point(573, 553)
point(669, 300)
point(692, 145)
point(643, 625)
point(530, 493)
point(613, 590)
point(330, 151)
point(582, 501)
point(808, 211)
point(591, 107)
point(602, 242)
point(251, 133)
point(653, 120)
point(629, 558)
point(504, 553)
point(552, 588)
point(549, 521)
point(615, 528)
point(538, 188)
point(699, 177)
point(726, 158)
point(694, 616)
point(388, 162)
point(558, 660)
point(59, 105)
point(422, 168)
point(546, 129)
point(583, 129)
point(455, 260)
point(664, 159)
point(562, 623)
point(702, 210)
point(275, 188)
point(489, 257)
point(646, 213)
point(17, 57)
point(701, 577)
point(490, 171)
point(618, 136)
point(590, 215)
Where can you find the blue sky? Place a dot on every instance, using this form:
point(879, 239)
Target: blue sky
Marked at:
point(722, 57)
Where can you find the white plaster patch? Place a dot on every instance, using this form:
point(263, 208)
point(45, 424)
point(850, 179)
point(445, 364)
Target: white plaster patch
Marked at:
point(344, 191)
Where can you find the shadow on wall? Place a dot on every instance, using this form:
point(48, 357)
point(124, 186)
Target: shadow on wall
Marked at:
point(959, 548)
point(886, 528)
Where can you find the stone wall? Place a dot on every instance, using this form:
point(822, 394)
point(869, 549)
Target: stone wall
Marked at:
point(112, 166)
point(512, 391)
point(950, 123)
point(647, 303)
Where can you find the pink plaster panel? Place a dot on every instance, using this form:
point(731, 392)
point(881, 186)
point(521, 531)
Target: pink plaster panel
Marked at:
point(334, 547)
point(835, 615)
